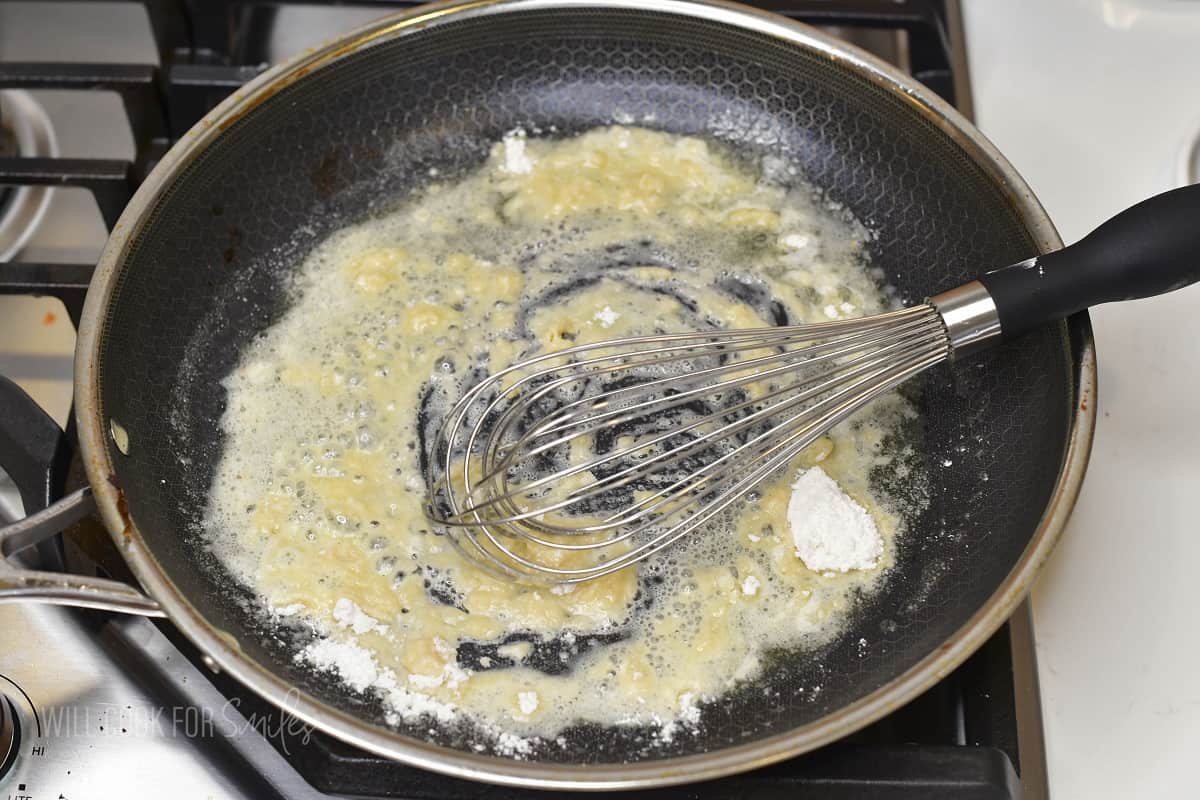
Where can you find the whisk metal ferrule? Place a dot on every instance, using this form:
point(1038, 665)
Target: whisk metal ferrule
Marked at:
point(970, 316)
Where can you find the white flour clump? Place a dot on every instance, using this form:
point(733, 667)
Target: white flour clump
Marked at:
point(349, 615)
point(359, 670)
point(516, 161)
point(688, 719)
point(606, 317)
point(831, 531)
point(528, 701)
point(509, 744)
point(355, 666)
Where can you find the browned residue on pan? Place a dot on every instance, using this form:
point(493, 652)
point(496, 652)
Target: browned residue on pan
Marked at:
point(327, 177)
point(331, 174)
point(122, 504)
point(235, 241)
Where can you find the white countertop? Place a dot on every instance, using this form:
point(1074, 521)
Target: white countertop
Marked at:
point(1094, 101)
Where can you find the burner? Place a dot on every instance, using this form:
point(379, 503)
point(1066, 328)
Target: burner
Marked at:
point(25, 131)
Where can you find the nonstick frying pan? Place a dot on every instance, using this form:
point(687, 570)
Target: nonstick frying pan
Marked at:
point(199, 263)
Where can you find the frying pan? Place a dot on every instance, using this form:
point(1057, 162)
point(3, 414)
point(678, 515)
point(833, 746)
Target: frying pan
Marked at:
point(199, 264)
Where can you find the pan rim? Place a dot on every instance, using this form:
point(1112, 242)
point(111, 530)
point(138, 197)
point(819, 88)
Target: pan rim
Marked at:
point(219, 647)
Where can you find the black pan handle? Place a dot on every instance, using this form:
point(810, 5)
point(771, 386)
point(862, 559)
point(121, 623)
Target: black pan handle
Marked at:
point(1146, 250)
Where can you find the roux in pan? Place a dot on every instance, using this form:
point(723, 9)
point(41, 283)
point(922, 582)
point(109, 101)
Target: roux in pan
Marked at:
point(318, 499)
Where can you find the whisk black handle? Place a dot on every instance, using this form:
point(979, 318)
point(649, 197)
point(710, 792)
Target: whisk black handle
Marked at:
point(1148, 249)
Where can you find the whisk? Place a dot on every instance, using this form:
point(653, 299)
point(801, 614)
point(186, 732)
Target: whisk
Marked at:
point(574, 464)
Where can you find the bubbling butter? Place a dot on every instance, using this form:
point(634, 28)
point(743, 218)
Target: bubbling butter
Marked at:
point(317, 503)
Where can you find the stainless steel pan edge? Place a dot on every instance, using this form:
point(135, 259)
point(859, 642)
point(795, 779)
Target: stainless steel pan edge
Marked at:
point(221, 649)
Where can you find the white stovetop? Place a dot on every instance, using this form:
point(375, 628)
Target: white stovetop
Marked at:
point(1094, 101)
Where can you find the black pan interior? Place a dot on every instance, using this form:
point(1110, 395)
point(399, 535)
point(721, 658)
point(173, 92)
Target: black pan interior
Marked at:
point(205, 274)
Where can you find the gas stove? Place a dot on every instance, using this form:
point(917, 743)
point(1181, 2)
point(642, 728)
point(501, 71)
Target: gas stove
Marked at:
point(96, 704)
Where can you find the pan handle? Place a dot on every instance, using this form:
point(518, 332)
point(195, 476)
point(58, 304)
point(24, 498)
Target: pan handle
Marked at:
point(34, 452)
point(62, 588)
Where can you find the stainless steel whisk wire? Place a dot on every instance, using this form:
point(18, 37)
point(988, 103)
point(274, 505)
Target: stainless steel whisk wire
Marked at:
point(834, 368)
point(837, 368)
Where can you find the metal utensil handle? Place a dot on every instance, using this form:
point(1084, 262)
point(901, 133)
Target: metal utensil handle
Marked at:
point(62, 588)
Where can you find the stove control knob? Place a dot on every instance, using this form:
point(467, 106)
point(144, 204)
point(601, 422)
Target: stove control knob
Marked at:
point(10, 735)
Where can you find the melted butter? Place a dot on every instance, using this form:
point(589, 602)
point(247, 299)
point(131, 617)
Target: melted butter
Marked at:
point(621, 231)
